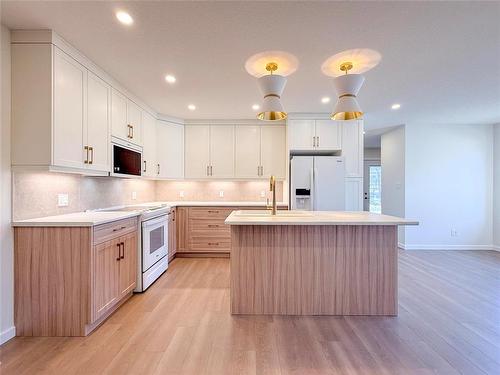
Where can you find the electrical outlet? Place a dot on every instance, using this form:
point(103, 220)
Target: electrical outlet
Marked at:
point(181, 194)
point(262, 194)
point(454, 233)
point(134, 195)
point(62, 200)
point(221, 194)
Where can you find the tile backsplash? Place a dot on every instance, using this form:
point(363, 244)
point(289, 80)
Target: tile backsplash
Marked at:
point(35, 194)
point(250, 191)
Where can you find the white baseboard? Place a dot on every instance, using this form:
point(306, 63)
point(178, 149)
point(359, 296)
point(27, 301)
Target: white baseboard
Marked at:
point(7, 334)
point(496, 247)
point(446, 247)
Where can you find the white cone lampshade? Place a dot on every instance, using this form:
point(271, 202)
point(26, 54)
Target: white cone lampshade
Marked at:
point(347, 106)
point(272, 87)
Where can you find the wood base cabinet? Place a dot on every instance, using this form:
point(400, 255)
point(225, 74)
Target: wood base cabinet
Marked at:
point(68, 280)
point(201, 231)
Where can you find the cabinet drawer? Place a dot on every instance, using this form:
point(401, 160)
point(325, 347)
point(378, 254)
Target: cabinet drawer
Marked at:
point(106, 232)
point(209, 226)
point(209, 213)
point(207, 244)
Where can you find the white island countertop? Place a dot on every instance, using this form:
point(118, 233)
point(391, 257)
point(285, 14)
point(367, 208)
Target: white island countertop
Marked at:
point(77, 219)
point(314, 218)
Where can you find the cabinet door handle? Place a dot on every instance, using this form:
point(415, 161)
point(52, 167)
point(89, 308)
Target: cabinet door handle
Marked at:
point(208, 168)
point(314, 141)
point(119, 251)
point(213, 225)
point(145, 166)
point(158, 171)
point(132, 128)
point(122, 256)
point(91, 149)
point(128, 131)
point(86, 148)
point(211, 172)
point(318, 141)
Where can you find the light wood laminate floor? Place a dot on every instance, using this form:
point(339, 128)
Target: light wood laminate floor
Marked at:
point(448, 323)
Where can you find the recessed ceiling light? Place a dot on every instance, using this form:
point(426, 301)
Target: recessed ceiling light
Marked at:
point(124, 17)
point(256, 107)
point(396, 106)
point(191, 107)
point(170, 78)
point(325, 100)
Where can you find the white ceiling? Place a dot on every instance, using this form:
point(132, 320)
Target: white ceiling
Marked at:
point(440, 60)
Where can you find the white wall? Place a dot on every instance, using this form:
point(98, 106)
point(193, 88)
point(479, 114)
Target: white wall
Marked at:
point(392, 157)
point(496, 192)
point(449, 185)
point(7, 329)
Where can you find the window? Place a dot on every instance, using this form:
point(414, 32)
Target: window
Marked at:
point(375, 182)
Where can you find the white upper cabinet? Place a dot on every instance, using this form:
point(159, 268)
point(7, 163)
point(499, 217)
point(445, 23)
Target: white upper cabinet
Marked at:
point(149, 153)
point(273, 151)
point(197, 151)
point(353, 147)
point(328, 135)
point(134, 121)
point(247, 151)
point(301, 134)
point(119, 124)
point(314, 135)
point(69, 111)
point(221, 151)
point(60, 112)
point(126, 118)
point(170, 150)
point(98, 123)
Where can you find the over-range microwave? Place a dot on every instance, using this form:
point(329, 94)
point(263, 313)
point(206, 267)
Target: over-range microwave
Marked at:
point(126, 159)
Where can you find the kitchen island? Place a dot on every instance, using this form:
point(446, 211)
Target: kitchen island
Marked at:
point(314, 263)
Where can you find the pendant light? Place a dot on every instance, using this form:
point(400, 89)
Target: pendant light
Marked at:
point(272, 86)
point(347, 87)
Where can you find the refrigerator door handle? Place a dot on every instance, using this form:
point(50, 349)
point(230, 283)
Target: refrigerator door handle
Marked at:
point(312, 189)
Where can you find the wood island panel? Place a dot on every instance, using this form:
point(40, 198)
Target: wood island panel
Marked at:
point(314, 270)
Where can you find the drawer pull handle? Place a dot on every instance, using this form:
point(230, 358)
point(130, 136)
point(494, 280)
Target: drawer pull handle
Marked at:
point(213, 211)
point(117, 229)
point(213, 244)
point(213, 225)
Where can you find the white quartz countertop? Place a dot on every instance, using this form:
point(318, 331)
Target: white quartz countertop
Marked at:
point(77, 219)
point(219, 203)
point(91, 218)
point(314, 218)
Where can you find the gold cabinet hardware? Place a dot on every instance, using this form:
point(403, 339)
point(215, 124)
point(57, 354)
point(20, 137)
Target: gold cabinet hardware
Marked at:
point(213, 225)
point(213, 211)
point(86, 148)
point(119, 251)
point(213, 244)
point(132, 128)
point(145, 166)
point(91, 149)
point(122, 256)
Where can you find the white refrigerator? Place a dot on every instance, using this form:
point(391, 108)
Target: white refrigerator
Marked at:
point(317, 183)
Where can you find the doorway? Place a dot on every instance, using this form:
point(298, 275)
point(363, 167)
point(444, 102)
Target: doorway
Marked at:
point(372, 201)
